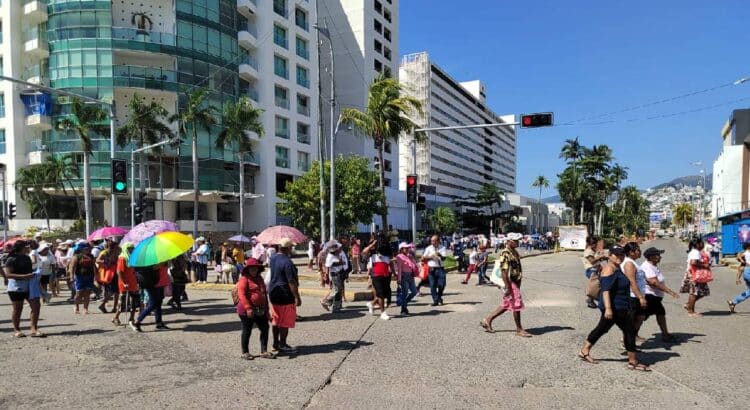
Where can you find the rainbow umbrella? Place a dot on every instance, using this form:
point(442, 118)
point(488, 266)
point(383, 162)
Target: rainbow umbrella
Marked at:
point(105, 232)
point(160, 248)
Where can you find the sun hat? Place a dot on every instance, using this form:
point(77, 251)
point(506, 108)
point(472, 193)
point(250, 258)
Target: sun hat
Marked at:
point(69, 242)
point(253, 262)
point(81, 246)
point(43, 247)
point(285, 243)
point(200, 239)
point(514, 236)
point(403, 245)
point(332, 245)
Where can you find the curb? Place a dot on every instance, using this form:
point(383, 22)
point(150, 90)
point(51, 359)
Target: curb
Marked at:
point(352, 296)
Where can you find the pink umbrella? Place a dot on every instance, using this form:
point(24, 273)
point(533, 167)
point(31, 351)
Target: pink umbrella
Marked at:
point(272, 235)
point(105, 232)
point(148, 229)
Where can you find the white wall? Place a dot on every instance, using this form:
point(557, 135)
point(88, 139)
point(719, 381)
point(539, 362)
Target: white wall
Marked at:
point(727, 181)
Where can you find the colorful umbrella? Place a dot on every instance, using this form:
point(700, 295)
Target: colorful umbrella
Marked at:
point(105, 232)
point(272, 235)
point(239, 238)
point(160, 248)
point(11, 241)
point(148, 229)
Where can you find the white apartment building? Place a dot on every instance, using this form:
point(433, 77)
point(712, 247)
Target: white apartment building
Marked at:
point(456, 162)
point(731, 170)
point(365, 44)
point(279, 71)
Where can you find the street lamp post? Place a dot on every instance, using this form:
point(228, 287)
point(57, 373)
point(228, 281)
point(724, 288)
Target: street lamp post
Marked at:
point(175, 142)
point(332, 100)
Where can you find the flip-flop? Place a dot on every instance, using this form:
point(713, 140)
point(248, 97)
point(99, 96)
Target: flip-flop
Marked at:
point(487, 327)
point(587, 358)
point(37, 334)
point(639, 367)
point(19, 335)
point(731, 306)
point(523, 334)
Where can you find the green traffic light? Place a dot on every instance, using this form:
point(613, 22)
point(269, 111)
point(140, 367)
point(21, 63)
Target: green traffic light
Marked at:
point(120, 186)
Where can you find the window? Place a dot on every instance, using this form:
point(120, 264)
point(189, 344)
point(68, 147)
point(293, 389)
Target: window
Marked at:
point(303, 133)
point(280, 67)
point(303, 161)
point(387, 71)
point(387, 34)
point(279, 7)
point(387, 147)
point(387, 53)
point(2, 106)
point(378, 6)
point(378, 46)
point(378, 66)
point(282, 127)
point(303, 105)
point(302, 49)
point(303, 77)
point(281, 181)
point(279, 36)
point(2, 141)
point(281, 97)
point(387, 182)
point(282, 157)
point(387, 15)
point(300, 18)
point(378, 26)
point(387, 166)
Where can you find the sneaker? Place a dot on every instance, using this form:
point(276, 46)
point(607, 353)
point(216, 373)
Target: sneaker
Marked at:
point(433, 304)
point(370, 308)
point(102, 309)
point(136, 327)
point(384, 316)
point(404, 312)
point(162, 326)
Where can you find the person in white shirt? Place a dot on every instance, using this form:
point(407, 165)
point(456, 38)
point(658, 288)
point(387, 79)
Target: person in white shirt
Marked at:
point(655, 289)
point(336, 263)
point(434, 255)
point(696, 291)
point(473, 257)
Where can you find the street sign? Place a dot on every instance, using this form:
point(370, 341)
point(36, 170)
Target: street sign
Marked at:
point(427, 189)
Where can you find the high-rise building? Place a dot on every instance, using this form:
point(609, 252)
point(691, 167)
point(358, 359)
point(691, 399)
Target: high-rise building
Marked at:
point(365, 45)
point(731, 170)
point(456, 162)
point(157, 49)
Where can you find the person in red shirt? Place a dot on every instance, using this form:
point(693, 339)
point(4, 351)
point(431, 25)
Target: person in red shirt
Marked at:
point(130, 297)
point(253, 308)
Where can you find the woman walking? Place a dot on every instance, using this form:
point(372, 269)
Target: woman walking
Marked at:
point(47, 266)
point(406, 270)
point(106, 262)
point(743, 273)
point(655, 290)
point(253, 308)
point(81, 271)
point(179, 281)
point(155, 294)
point(592, 262)
point(379, 255)
point(19, 274)
point(128, 287)
point(696, 259)
point(637, 279)
point(614, 302)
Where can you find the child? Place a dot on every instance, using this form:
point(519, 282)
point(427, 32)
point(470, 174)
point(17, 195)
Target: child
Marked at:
point(472, 265)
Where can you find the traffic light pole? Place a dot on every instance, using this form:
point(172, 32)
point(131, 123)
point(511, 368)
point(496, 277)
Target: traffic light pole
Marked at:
point(175, 141)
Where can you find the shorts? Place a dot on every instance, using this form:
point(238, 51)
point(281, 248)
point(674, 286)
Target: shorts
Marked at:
point(284, 315)
point(382, 285)
point(45, 279)
point(655, 306)
point(514, 301)
point(130, 301)
point(83, 283)
point(635, 306)
point(61, 273)
point(18, 296)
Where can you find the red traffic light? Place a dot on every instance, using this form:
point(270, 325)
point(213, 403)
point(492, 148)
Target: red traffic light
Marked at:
point(411, 180)
point(542, 119)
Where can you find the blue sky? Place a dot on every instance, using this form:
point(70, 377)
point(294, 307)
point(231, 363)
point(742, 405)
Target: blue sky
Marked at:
point(585, 58)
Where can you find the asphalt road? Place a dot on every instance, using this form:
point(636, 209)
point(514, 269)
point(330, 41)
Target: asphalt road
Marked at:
point(439, 357)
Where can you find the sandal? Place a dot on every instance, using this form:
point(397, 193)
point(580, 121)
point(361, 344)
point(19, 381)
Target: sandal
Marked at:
point(587, 358)
point(268, 355)
point(19, 335)
point(731, 306)
point(247, 356)
point(487, 327)
point(639, 367)
point(116, 322)
point(523, 334)
point(37, 333)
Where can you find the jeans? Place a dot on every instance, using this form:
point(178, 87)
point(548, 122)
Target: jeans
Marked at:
point(201, 271)
point(623, 318)
point(337, 286)
point(746, 294)
point(716, 257)
point(482, 274)
point(247, 328)
point(408, 289)
point(155, 299)
point(177, 291)
point(437, 283)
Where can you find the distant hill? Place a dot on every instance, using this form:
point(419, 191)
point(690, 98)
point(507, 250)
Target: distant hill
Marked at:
point(690, 180)
point(552, 199)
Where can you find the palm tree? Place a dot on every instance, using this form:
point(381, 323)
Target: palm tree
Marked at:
point(384, 119)
point(84, 120)
point(682, 215)
point(144, 126)
point(490, 195)
point(572, 151)
point(197, 113)
point(64, 170)
point(540, 182)
point(239, 118)
point(444, 220)
point(31, 182)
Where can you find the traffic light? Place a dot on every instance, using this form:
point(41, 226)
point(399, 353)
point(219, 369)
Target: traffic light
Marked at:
point(119, 176)
point(411, 189)
point(11, 211)
point(140, 207)
point(540, 119)
point(421, 205)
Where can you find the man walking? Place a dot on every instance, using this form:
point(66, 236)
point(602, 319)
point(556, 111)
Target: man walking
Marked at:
point(434, 256)
point(336, 263)
point(283, 292)
point(510, 266)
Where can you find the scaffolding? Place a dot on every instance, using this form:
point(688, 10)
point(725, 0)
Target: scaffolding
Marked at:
point(414, 74)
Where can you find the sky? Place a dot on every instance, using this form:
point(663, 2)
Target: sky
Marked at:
point(584, 59)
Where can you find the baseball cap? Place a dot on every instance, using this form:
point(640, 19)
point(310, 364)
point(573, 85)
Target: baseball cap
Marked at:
point(652, 252)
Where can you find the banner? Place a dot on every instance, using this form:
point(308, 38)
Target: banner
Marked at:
point(573, 237)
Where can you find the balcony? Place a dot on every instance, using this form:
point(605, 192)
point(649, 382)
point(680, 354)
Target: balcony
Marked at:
point(249, 68)
point(247, 7)
point(247, 36)
point(35, 12)
point(37, 152)
point(39, 122)
point(145, 77)
point(36, 43)
point(36, 75)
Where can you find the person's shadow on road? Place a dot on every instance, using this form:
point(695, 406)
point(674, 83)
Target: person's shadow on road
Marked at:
point(538, 331)
point(328, 348)
point(655, 343)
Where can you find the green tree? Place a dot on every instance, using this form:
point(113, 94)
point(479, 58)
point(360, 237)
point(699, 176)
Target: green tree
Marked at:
point(384, 119)
point(444, 220)
point(682, 215)
point(572, 151)
point(145, 126)
point(31, 183)
point(197, 113)
point(489, 196)
point(540, 182)
point(84, 121)
point(238, 119)
point(356, 202)
point(62, 170)
point(629, 212)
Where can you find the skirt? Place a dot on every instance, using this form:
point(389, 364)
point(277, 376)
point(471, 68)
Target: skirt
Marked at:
point(694, 289)
point(84, 282)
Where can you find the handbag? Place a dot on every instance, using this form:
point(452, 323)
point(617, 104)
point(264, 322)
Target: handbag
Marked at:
point(701, 275)
point(259, 311)
point(593, 286)
point(496, 276)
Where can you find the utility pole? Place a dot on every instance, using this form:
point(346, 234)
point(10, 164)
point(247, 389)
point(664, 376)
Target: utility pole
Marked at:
point(332, 100)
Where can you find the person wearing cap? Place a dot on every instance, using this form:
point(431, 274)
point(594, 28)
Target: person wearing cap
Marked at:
point(46, 264)
point(283, 292)
point(19, 273)
point(200, 256)
point(655, 289)
point(336, 264)
point(434, 255)
point(512, 273)
point(614, 302)
point(127, 285)
point(252, 308)
point(406, 270)
point(81, 270)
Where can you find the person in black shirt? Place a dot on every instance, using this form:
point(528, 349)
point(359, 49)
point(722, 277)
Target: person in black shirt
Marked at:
point(18, 271)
